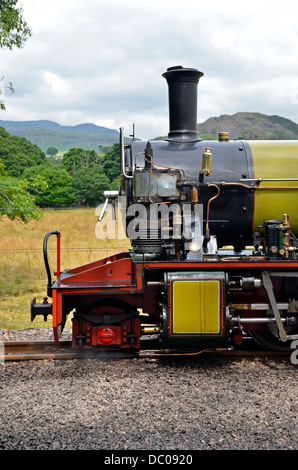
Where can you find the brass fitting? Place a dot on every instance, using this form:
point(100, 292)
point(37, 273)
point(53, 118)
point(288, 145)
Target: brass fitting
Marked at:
point(223, 136)
point(194, 195)
point(206, 161)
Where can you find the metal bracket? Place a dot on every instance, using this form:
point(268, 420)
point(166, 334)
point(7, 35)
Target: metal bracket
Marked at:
point(269, 288)
point(109, 195)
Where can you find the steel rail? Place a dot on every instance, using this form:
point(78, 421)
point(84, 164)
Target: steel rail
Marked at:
point(45, 350)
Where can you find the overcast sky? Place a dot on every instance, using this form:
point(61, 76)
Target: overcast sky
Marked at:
point(101, 61)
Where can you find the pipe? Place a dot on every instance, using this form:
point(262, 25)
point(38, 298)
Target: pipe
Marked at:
point(256, 320)
point(46, 262)
point(122, 156)
point(183, 84)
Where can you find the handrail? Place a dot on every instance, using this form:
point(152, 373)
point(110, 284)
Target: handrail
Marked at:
point(122, 156)
point(45, 257)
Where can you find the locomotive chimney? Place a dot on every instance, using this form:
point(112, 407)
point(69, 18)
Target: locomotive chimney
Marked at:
point(183, 87)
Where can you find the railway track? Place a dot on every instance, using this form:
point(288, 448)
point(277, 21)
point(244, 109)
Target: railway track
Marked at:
point(45, 350)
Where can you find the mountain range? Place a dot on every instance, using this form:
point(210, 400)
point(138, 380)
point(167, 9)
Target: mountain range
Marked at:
point(249, 126)
point(47, 134)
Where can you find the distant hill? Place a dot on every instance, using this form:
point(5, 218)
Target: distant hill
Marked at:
point(249, 126)
point(46, 134)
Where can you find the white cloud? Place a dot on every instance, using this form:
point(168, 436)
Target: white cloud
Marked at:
point(57, 86)
point(101, 62)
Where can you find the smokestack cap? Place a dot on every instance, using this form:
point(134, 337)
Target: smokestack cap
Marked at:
point(182, 83)
point(178, 72)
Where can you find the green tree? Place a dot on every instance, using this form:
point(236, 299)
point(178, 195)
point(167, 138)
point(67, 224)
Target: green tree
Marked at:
point(9, 87)
point(17, 153)
point(89, 179)
point(52, 151)
point(111, 164)
point(59, 190)
point(14, 31)
point(78, 158)
point(89, 185)
point(92, 173)
point(15, 200)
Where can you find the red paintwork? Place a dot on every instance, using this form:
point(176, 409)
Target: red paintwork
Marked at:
point(118, 276)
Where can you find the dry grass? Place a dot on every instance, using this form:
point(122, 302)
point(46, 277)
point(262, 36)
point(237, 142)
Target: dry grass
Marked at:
point(22, 272)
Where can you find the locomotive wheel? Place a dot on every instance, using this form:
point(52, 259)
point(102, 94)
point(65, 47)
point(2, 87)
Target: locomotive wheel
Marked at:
point(269, 338)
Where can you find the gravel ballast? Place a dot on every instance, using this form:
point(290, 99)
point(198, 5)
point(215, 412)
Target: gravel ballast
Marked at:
point(147, 404)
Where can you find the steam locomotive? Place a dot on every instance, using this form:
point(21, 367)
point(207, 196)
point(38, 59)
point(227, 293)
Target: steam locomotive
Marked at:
point(214, 249)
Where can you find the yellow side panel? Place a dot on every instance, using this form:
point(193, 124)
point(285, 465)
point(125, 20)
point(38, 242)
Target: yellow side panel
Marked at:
point(275, 160)
point(196, 307)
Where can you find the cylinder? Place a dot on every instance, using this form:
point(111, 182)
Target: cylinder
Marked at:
point(183, 84)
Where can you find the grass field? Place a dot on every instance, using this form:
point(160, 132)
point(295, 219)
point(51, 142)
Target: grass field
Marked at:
point(22, 271)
